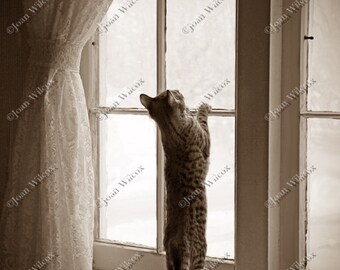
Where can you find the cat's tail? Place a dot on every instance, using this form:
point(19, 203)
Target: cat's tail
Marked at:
point(198, 261)
point(180, 259)
point(176, 258)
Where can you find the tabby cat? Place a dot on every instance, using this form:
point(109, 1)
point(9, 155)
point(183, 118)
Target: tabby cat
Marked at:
point(186, 144)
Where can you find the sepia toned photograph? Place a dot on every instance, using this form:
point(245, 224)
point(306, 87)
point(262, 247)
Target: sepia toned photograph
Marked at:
point(170, 135)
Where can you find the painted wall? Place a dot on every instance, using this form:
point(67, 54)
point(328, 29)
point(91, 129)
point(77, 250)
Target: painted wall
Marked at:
point(13, 59)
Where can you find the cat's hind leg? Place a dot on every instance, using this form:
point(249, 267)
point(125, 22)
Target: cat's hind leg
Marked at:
point(198, 260)
point(180, 257)
point(171, 257)
point(184, 263)
point(177, 258)
point(169, 265)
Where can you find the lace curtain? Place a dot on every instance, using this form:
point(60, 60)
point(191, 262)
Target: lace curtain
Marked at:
point(49, 205)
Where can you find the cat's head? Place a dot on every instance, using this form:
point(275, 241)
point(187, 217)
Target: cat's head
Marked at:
point(169, 106)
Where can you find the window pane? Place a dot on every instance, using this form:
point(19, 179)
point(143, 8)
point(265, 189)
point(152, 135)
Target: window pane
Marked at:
point(128, 205)
point(128, 53)
point(324, 186)
point(201, 51)
point(221, 201)
point(324, 64)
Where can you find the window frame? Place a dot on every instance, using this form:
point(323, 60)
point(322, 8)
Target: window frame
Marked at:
point(305, 115)
point(253, 253)
point(286, 240)
point(161, 87)
point(288, 232)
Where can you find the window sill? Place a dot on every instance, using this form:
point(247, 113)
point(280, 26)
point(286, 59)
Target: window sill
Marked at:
point(108, 256)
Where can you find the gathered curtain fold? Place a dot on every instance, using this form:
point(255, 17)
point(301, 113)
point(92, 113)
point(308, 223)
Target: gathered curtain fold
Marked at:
point(48, 216)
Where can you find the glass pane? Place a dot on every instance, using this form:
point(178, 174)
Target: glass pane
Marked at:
point(324, 186)
point(221, 188)
point(324, 51)
point(201, 51)
point(128, 179)
point(128, 53)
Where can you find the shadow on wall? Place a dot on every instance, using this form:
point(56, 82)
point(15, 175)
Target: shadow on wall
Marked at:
point(13, 56)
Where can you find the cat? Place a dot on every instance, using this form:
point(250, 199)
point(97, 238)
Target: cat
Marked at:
point(186, 143)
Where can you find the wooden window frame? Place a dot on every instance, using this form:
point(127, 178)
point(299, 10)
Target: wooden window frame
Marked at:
point(252, 72)
point(288, 237)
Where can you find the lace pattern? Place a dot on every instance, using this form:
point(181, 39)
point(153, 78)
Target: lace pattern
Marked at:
point(56, 216)
point(55, 55)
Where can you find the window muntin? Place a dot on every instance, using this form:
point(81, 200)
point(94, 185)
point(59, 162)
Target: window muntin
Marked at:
point(322, 122)
point(119, 51)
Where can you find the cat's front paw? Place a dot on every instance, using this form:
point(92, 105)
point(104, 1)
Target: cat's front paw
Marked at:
point(204, 107)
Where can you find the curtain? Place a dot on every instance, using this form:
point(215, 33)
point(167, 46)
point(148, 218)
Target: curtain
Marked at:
point(47, 219)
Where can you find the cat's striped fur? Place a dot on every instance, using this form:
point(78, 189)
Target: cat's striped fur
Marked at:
point(186, 144)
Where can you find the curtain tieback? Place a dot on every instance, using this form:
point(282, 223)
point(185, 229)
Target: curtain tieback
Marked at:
point(55, 55)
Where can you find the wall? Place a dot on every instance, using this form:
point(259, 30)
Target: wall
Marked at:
point(13, 57)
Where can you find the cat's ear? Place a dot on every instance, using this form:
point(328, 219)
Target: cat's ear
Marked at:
point(171, 98)
point(145, 100)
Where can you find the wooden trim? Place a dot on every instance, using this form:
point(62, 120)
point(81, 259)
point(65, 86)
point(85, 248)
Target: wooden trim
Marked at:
point(290, 141)
point(303, 187)
point(161, 86)
point(109, 252)
point(108, 256)
point(320, 114)
point(252, 130)
point(89, 73)
point(108, 110)
point(274, 159)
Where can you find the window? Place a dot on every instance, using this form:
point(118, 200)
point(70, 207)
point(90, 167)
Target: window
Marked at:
point(308, 227)
point(128, 67)
point(314, 204)
point(321, 122)
point(196, 54)
point(251, 148)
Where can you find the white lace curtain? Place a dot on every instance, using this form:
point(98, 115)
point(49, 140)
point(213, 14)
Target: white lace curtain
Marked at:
point(48, 217)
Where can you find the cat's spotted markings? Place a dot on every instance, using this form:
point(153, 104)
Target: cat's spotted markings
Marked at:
point(186, 144)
